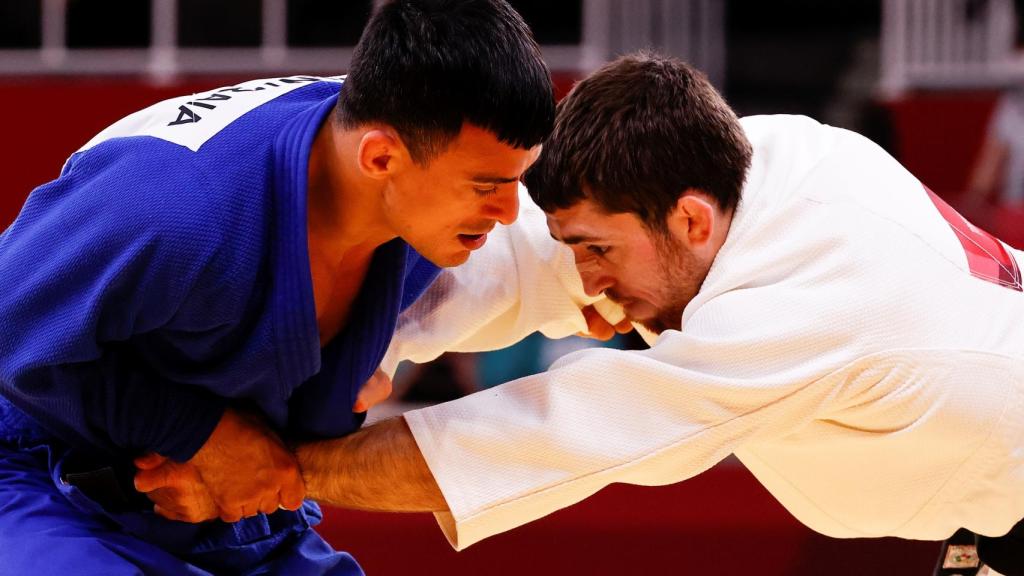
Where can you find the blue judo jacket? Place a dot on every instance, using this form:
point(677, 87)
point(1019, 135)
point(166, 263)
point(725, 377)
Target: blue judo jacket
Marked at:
point(165, 274)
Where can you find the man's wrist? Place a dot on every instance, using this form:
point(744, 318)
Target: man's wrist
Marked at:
point(308, 469)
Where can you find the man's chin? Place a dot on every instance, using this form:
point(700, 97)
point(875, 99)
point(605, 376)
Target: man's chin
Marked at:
point(653, 325)
point(648, 322)
point(448, 260)
point(458, 259)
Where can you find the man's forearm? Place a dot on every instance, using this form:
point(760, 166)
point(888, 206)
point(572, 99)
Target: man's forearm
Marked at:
point(377, 468)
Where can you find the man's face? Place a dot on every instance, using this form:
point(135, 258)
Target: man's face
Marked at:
point(652, 275)
point(445, 209)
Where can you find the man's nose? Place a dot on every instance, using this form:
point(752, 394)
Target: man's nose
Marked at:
point(504, 206)
point(595, 281)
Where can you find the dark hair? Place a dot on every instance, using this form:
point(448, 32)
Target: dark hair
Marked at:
point(426, 66)
point(635, 135)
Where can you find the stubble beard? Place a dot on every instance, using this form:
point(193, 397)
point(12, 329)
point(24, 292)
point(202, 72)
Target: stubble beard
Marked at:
point(681, 275)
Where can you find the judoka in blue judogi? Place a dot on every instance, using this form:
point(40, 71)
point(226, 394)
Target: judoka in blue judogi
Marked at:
point(183, 273)
point(145, 289)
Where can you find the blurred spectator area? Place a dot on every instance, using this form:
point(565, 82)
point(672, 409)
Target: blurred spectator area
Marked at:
point(937, 134)
point(920, 77)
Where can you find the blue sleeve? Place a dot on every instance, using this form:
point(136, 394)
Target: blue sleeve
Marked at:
point(96, 257)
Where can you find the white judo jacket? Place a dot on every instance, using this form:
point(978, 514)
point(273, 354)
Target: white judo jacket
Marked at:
point(858, 350)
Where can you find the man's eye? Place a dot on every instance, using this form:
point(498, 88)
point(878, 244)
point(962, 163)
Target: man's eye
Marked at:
point(598, 250)
point(486, 191)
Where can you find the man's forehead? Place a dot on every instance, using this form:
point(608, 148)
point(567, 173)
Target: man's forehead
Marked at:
point(581, 222)
point(483, 157)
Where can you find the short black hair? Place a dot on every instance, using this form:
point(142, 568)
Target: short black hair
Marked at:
point(635, 135)
point(425, 67)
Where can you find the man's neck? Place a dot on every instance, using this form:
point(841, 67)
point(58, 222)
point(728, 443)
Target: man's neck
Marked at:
point(344, 217)
point(344, 224)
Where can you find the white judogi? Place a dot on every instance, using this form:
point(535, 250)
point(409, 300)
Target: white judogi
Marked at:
point(840, 346)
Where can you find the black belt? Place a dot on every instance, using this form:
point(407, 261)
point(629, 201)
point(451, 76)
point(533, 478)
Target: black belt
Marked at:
point(110, 485)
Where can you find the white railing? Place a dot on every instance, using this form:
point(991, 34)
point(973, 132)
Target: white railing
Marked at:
point(690, 29)
point(948, 44)
point(693, 30)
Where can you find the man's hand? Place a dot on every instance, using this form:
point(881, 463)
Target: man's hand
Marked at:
point(600, 329)
point(376, 390)
point(243, 469)
point(184, 497)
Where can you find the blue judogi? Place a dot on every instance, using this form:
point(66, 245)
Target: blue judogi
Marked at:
point(164, 275)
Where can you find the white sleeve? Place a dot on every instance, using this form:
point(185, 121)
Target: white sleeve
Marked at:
point(522, 281)
point(511, 454)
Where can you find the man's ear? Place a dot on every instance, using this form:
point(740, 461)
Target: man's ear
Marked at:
point(381, 153)
point(693, 219)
